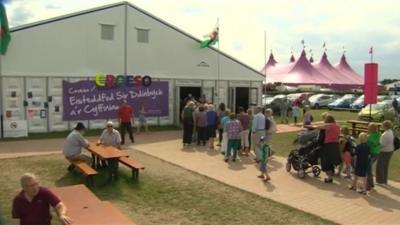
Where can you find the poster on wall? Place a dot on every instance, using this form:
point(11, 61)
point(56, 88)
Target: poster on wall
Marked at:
point(15, 128)
point(83, 100)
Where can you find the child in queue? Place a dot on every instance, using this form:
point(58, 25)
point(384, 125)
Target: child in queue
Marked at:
point(362, 154)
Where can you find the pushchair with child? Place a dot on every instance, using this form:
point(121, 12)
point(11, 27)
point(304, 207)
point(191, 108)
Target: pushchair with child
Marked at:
point(305, 158)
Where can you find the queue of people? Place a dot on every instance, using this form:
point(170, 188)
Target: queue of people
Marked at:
point(237, 133)
point(341, 155)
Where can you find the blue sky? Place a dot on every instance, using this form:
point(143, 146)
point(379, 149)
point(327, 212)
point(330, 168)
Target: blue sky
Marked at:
point(355, 25)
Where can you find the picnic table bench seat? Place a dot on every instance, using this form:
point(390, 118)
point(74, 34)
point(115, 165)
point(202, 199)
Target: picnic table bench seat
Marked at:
point(133, 164)
point(84, 168)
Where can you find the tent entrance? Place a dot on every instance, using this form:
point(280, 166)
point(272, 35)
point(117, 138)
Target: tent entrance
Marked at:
point(184, 93)
point(238, 97)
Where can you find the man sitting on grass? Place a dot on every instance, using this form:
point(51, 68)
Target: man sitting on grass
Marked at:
point(31, 205)
point(73, 145)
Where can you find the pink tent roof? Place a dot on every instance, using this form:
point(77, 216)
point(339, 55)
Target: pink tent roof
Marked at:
point(345, 68)
point(271, 62)
point(299, 72)
point(292, 59)
point(325, 67)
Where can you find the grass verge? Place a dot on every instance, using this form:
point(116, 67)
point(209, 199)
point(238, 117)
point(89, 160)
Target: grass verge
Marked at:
point(166, 194)
point(92, 132)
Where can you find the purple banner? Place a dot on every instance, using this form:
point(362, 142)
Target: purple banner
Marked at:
point(83, 100)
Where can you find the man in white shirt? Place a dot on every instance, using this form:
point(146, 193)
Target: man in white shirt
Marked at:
point(110, 136)
point(387, 147)
point(258, 130)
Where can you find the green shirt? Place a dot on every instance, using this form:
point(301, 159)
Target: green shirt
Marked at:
point(264, 152)
point(188, 112)
point(373, 143)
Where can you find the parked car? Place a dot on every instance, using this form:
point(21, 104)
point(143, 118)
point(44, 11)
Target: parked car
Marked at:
point(282, 88)
point(274, 103)
point(358, 104)
point(293, 97)
point(379, 112)
point(270, 100)
point(341, 103)
point(321, 100)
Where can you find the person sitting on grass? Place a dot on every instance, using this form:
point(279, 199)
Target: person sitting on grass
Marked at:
point(362, 154)
point(32, 205)
point(73, 144)
point(264, 152)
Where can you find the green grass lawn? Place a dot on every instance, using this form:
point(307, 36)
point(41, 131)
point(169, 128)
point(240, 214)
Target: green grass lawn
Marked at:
point(166, 194)
point(338, 115)
point(92, 132)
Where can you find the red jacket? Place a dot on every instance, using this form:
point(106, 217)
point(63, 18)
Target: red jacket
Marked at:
point(125, 113)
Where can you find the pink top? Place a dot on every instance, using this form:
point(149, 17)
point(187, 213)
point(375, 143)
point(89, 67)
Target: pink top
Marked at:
point(332, 133)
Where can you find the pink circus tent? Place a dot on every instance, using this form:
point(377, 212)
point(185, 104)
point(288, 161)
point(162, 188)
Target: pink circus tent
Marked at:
point(322, 73)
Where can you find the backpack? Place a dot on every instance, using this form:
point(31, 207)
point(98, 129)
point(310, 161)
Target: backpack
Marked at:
point(396, 143)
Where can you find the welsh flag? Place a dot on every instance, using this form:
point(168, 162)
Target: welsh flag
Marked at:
point(5, 36)
point(211, 39)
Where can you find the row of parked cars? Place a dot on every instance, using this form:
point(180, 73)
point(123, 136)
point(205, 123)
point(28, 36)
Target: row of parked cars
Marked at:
point(379, 112)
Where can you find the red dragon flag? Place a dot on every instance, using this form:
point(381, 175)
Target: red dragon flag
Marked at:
point(211, 39)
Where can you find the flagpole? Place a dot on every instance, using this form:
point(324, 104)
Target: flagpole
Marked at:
point(372, 54)
point(218, 64)
point(265, 69)
point(371, 51)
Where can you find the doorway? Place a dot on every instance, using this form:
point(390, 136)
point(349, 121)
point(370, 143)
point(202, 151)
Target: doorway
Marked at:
point(241, 98)
point(184, 93)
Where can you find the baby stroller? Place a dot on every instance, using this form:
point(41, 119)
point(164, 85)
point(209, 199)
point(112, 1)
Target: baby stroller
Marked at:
point(306, 156)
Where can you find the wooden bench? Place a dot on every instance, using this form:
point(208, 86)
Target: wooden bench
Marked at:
point(84, 168)
point(357, 130)
point(361, 126)
point(134, 165)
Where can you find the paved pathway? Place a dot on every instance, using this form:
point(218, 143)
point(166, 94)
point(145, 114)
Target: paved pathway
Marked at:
point(330, 201)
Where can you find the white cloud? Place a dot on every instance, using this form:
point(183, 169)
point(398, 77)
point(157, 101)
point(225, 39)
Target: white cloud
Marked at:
point(354, 24)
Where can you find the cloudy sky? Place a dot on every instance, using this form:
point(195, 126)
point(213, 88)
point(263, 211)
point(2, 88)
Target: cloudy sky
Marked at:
point(355, 25)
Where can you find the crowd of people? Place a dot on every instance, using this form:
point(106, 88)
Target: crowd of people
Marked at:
point(340, 154)
point(237, 133)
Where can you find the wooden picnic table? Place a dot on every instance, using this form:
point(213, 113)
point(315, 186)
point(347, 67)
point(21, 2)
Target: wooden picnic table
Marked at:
point(83, 207)
point(358, 125)
point(109, 153)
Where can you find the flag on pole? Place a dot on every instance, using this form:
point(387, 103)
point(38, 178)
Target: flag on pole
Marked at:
point(5, 36)
point(371, 50)
point(211, 38)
